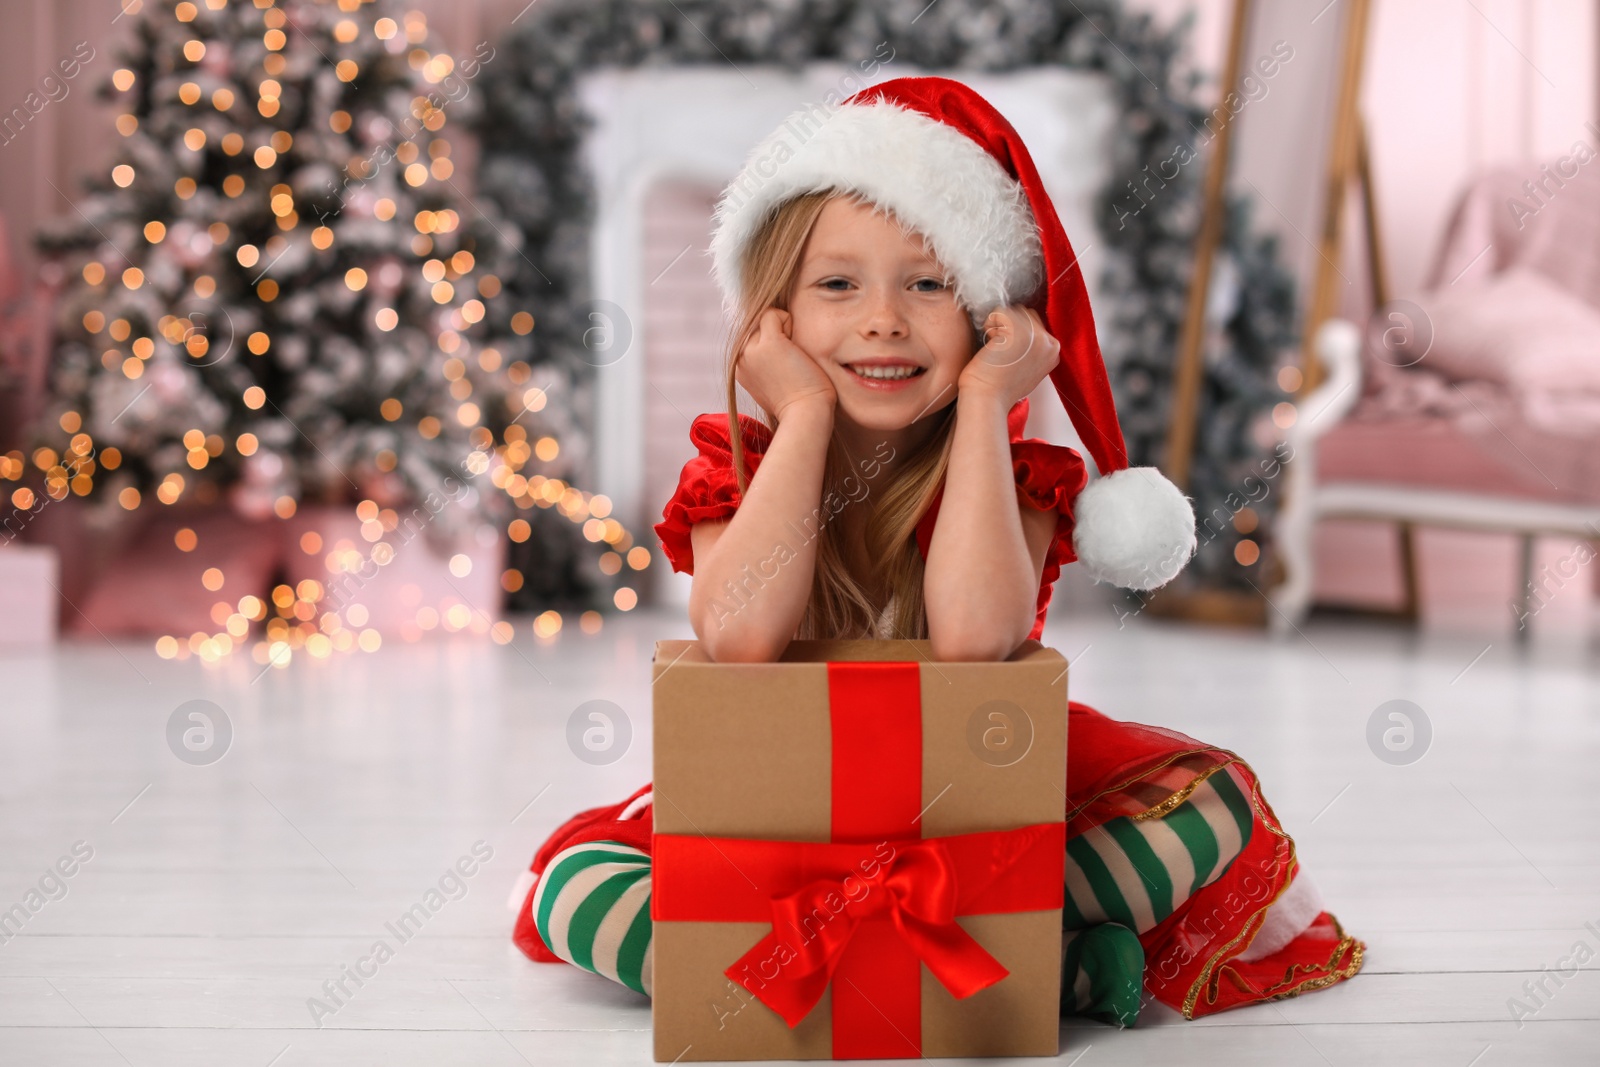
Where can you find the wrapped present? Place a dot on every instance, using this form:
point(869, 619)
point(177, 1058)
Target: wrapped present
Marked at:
point(858, 853)
point(29, 578)
point(154, 585)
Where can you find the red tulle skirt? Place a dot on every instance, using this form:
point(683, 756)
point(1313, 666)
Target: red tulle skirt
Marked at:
point(1122, 769)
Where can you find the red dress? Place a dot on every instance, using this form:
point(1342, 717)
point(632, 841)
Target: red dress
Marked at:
point(1114, 768)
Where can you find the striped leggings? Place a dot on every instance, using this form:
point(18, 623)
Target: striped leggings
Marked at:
point(592, 904)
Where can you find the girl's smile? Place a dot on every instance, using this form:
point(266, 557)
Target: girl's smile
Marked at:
point(884, 375)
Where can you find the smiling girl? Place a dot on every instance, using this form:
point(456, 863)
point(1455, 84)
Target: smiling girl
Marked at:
point(899, 284)
point(864, 351)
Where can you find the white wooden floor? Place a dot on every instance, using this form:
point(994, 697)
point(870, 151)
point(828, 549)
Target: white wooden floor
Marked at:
point(219, 898)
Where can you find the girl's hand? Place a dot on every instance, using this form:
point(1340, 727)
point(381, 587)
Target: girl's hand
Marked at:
point(1019, 353)
point(777, 372)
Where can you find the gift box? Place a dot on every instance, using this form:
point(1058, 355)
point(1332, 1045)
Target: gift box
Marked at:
point(150, 586)
point(29, 577)
point(858, 852)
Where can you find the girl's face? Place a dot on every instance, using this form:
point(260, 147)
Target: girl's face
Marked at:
point(868, 298)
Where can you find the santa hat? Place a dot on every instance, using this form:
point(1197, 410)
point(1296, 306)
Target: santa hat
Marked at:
point(947, 164)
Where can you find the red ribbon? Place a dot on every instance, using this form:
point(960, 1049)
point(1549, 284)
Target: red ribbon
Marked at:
point(861, 914)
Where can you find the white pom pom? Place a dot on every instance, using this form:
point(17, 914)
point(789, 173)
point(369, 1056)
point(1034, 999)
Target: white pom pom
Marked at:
point(1133, 528)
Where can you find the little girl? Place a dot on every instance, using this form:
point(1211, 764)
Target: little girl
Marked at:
point(900, 283)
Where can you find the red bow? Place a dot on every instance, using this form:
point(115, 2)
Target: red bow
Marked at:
point(917, 888)
point(817, 894)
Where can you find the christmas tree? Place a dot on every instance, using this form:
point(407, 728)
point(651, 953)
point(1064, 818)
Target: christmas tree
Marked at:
point(280, 295)
point(280, 283)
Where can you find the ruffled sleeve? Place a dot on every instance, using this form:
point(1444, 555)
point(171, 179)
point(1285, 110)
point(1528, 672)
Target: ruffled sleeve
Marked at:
point(708, 489)
point(1048, 476)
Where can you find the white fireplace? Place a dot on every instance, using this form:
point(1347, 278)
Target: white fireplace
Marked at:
point(664, 143)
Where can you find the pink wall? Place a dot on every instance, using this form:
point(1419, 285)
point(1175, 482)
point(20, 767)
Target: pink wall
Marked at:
point(1450, 86)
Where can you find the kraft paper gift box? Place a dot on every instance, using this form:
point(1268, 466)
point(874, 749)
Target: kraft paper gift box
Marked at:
point(857, 853)
point(28, 593)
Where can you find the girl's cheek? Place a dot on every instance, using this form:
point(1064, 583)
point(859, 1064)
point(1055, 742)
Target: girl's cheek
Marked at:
point(813, 331)
point(956, 363)
point(802, 334)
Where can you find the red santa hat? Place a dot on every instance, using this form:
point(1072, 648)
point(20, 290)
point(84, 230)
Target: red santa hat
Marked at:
point(946, 163)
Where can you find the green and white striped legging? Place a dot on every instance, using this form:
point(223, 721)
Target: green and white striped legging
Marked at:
point(592, 904)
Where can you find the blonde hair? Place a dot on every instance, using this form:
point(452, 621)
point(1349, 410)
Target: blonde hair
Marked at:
point(840, 605)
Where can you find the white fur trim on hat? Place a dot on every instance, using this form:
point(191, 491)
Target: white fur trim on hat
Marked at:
point(934, 178)
point(1133, 528)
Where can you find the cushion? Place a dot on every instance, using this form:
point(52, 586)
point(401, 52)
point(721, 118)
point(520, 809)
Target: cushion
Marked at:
point(1517, 328)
